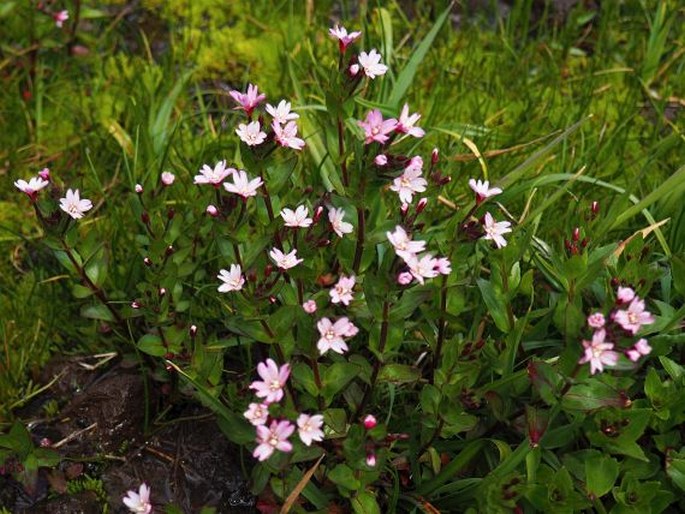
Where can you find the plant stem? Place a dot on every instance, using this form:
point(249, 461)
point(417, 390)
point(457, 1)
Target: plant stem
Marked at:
point(442, 326)
point(281, 358)
point(270, 212)
point(377, 364)
point(341, 151)
point(317, 381)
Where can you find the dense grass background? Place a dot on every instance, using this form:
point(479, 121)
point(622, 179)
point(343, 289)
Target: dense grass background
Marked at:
point(141, 87)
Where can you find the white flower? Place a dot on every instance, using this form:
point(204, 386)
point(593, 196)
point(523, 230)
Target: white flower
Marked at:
point(422, 267)
point(483, 189)
point(371, 63)
point(342, 291)
point(257, 413)
point(282, 113)
point(287, 136)
point(296, 218)
point(242, 185)
point(495, 231)
point(251, 134)
point(31, 187)
point(168, 178)
point(232, 280)
point(335, 216)
point(411, 181)
point(214, 175)
point(73, 205)
point(309, 428)
point(285, 261)
point(139, 502)
point(403, 244)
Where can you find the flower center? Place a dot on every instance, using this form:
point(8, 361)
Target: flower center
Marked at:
point(274, 385)
point(273, 440)
point(632, 318)
point(375, 131)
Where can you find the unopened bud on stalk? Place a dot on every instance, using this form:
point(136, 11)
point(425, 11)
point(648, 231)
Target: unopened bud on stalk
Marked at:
point(370, 422)
point(268, 269)
point(594, 208)
point(404, 209)
point(252, 276)
point(169, 249)
point(147, 261)
point(162, 291)
point(272, 300)
point(421, 205)
point(323, 242)
point(576, 234)
point(193, 331)
point(135, 305)
point(435, 156)
point(145, 217)
point(353, 70)
point(212, 211)
point(317, 214)
point(138, 189)
point(380, 160)
point(404, 278)
point(371, 460)
point(170, 213)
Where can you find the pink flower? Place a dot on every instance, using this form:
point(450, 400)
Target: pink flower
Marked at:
point(376, 128)
point(168, 178)
point(371, 460)
point(31, 187)
point(371, 63)
point(232, 280)
point(380, 160)
point(251, 134)
point(340, 227)
point(242, 185)
point(598, 353)
point(248, 101)
point(138, 188)
point(443, 266)
point(296, 218)
point(342, 291)
point(282, 113)
point(344, 39)
point(287, 136)
point(139, 502)
point(495, 231)
point(214, 176)
point(483, 189)
point(403, 244)
point(285, 261)
point(639, 349)
point(257, 413)
point(625, 294)
point(333, 334)
point(422, 267)
point(405, 278)
point(273, 380)
point(632, 319)
point(273, 438)
point(370, 421)
point(73, 205)
point(309, 428)
point(212, 211)
point(410, 182)
point(60, 17)
point(406, 123)
point(44, 174)
point(309, 306)
point(596, 320)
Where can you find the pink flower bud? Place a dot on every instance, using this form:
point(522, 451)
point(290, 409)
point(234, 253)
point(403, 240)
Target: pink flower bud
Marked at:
point(435, 156)
point(354, 69)
point(193, 330)
point(138, 188)
point(403, 209)
point(309, 306)
point(370, 422)
point(169, 249)
point(371, 460)
point(380, 160)
point(576, 234)
point(212, 211)
point(135, 305)
point(404, 278)
point(594, 208)
point(596, 320)
point(147, 261)
point(421, 205)
point(45, 443)
point(44, 174)
point(625, 294)
point(317, 214)
point(162, 291)
point(168, 178)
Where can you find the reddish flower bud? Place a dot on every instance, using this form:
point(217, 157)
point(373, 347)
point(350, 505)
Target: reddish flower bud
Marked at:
point(576, 234)
point(370, 422)
point(435, 156)
point(147, 261)
point(162, 291)
point(145, 217)
point(594, 208)
point(371, 460)
point(135, 305)
point(169, 249)
point(44, 174)
point(170, 213)
point(317, 214)
point(193, 331)
point(421, 205)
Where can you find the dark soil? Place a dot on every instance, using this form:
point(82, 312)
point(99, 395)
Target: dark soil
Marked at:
point(184, 457)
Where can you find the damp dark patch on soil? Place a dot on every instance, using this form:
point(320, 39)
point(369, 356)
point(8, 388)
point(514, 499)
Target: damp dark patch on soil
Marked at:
point(184, 457)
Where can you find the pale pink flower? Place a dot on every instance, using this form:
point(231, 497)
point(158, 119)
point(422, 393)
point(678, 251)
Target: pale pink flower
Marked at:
point(422, 267)
point(483, 189)
point(596, 320)
point(443, 266)
point(354, 69)
point(251, 134)
point(287, 136)
point(371, 63)
point(285, 261)
point(638, 350)
point(625, 294)
point(242, 185)
point(296, 218)
point(257, 413)
point(73, 205)
point(281, 113)
point(634, 317)
point(380, 160)
point(309, 428)
point(344, 38)
point(342, 291)
point(376, 128)
point(273, 380)
point(598, 353)
point(248, 101)
point(333, 334)
point(370, 421)
point(31, 187)
point(60, 17)
point(495, 231)
point(138, 188)
point(335, 216)
point(309, 306)
point(403, 244)
point(405, 124)
point(212, 211)
point(139, 502)
point(275, 437)
point(410, 182)
point(168, 178)
point(232, 280)
point(405, 278)
point(371, 460)
point(214, 176)
point(44, 174)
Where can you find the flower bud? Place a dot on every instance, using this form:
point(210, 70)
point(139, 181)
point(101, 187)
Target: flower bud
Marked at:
point(167, 178)
point(138, 189)
point(380, 160)
point(162, 291)
point(135, 305)
point(317, 214)
point(212, 211)
point(44, 174)
point(371, 460)
point(309, 306)
point(268, 269)
point(404, 278)
point(594, 208)
point(45, 443)
point(370, 422)
point(145, 217)
point(147, 261)
point(576, 234)
point(193, 331)
point(421, 205)
point(170, 213)
point(354, 69)
point(404, 209)
point(169, 249)
point(435, 156)
point(273, 300)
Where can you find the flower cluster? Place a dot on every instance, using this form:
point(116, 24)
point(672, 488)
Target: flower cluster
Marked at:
point(71, 203)
point(419, 267)
point(626, 319)
point(275, 435)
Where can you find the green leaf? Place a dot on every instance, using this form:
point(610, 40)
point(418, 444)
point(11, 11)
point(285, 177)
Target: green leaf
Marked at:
point(336, 377)
point(343, 476)
point(399, 374)
point(97, 312)
point(600, 474)
point(365, 503)
point(80, 291)
point(152, 345)
point(591, 396)
point(495, 303)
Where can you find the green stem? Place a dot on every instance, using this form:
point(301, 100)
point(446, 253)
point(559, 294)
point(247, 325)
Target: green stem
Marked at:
point(376, 365)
